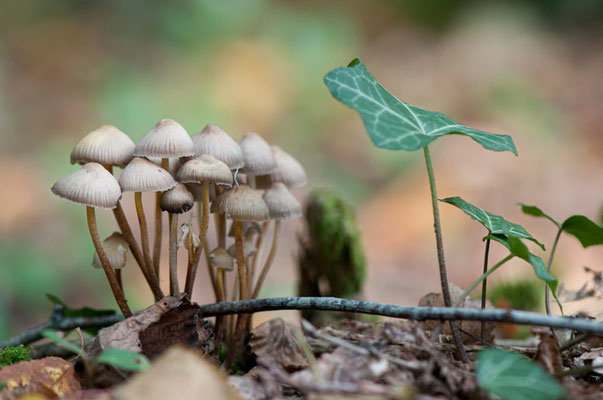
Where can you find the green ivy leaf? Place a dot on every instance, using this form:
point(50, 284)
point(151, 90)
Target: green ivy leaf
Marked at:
point(537, 212)
point(395, 125)
point(494, 223)
point(124, 359)
point(54, 336)
point(519, 249)
point(513, 377)
point(583, 229)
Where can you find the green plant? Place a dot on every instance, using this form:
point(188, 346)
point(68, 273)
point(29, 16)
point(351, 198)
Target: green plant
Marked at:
point(14, 355)
point(586, 231)
point(395, 125)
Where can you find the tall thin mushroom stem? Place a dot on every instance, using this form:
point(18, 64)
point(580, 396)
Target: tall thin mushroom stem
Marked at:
point(174, 287)
point(98, 246)
point(269, 260)
point(243, 294)
point(191, 273)
point(144, 237)
point(128, 235)
point(441, 260)
point(165, 164)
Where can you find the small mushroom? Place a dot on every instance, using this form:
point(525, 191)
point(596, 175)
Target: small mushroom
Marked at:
point(117, 252)
point(259, 159)
point(175, 201)
point(214, 141)
point(93, 186)
point(288, 170)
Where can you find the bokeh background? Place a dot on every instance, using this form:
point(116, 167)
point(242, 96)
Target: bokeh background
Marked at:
point(531, 69)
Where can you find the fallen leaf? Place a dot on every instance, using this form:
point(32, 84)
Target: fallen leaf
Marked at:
point(274, 340)
point(52, 372)
point(548, 353)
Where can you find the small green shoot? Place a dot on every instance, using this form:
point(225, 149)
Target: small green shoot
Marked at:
point(511, 376)
point(59, 341)
point(124, 359)
point(14, 355)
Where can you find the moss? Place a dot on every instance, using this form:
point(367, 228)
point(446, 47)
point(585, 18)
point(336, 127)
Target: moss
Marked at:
point(524, 294)
point(14, 355)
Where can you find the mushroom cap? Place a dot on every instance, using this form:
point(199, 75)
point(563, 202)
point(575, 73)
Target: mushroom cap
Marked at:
point(106, 145)
point(257, 153)
point(249, 249)
point(214, 141)
point(247, 226)
point(92, 185)
point(288, 170)
point(241, 203)
point(116, 248)
point(141, 175)
point(177, 200)
point(219, 258)
point(205, 168)
point(166, 139)
point(281, 203)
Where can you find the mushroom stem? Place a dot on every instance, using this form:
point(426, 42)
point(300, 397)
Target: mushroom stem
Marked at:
point(236, 342)
point(258, 246)
point(119, 280)
point(220, 222)
point(174, 287)
point(98, 246)
point(192, 272)
point(269, 260)
point(144, 238)
point(126, 231)
point(165, 163)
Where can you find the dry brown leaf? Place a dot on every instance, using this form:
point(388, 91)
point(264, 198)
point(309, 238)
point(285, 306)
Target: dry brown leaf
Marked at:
point(179, 373)
point(548, 352)
point(53, 373)
point(274, 341)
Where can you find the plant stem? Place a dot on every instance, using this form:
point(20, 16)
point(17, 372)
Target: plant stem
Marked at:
point(98, 246)
point(548, 268)
point(440, 247)
point(144, 239)
point(173, 220)
point(480, 279)
point(269, 260)
point(487, 252)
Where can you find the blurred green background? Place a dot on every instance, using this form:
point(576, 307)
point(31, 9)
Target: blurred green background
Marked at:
point(531, 69)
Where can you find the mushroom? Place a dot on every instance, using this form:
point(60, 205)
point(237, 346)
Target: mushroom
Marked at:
point(175, 201)
point(93, 186)
point(281, 205)
point(258, 157)
point(288, 170)
point(111, 147)
point(166, 139)
point(205, 169)
point(117, 252)
point(240, 204)
point(141, 175)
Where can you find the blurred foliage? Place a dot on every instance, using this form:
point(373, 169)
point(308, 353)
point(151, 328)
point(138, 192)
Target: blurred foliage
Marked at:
point(522, 294)
point(14, 355)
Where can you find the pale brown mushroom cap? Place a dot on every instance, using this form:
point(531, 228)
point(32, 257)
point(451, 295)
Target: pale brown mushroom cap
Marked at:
point(241, 204)
point(281, 203)
point(248, 226)
point(257, 153)
point(116, 248)
point(177, 200)
point(214, 141)
point(288, 170)
point(219, 258)
point(205, 168)
point(106, 145)
point(92, 185)
point(166, 139)
point(249, 249)
point(141, 175)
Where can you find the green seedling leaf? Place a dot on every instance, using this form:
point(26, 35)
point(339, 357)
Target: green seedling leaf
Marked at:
point(395, 125)
point(537, 212)
point(583, 229)
point(494, 223)
point(54, 336)
point(519, 249)
point(511, 376)
point(78, 312)
point(124, 359)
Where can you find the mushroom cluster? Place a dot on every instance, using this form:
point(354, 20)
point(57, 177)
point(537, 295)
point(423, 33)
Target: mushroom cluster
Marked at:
point(210, 169)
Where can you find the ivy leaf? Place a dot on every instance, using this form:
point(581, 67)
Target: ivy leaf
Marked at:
point(519, 249)
point(395, 125)
point(537, 212)
point(513, 377)
point(54, 336)
point(124, 359)
point(494, 223)
point(583, 229)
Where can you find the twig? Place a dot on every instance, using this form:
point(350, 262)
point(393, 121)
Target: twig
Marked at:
point(388, 310)
point(571, 343)
point(578, 371)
